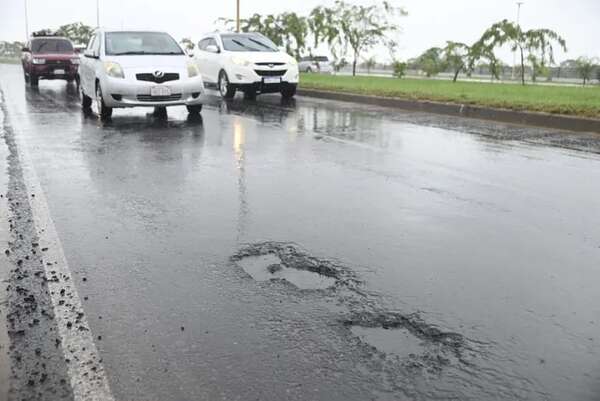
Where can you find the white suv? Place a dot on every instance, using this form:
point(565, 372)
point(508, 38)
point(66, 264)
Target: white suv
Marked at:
point(138, 68)
point(248, 62)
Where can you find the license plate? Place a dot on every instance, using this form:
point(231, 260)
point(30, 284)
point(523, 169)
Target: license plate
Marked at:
point(160, 91)
point(59, 72)
point(272, 80)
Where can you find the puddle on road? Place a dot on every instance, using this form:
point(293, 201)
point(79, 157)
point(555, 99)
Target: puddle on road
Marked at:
point(398, 342)
point(270, 267)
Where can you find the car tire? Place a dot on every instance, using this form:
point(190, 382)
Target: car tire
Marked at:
point(250, 94)
point(194, 109)
point(227, 92)
point(86, 101)
point(309, 70)
point(288, 91)
point(104, 112)
point(26, 77)
point(33, 80)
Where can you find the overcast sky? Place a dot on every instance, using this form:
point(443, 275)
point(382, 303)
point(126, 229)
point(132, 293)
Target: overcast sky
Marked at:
point(429, 23)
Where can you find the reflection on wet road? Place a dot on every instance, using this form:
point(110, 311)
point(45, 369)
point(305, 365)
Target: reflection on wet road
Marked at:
point(436, 258)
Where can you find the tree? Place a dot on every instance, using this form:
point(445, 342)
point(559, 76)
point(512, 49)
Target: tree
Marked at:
point(534, 45)
point(585, 67)
point(187, 44)
point(321, 23)
point(458, 56)
point(431, 62)
point(78, 32)
point(294, 30)
point(362, 27)
point(370, 63)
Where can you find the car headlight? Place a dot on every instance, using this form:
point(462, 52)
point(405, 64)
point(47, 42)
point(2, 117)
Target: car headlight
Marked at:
point(38, 61)
point(113, 69)
point(192, 70)
point(240, 61)
point(75, 61)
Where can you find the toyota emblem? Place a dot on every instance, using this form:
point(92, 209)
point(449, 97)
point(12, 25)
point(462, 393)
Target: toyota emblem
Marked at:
point(158, 74)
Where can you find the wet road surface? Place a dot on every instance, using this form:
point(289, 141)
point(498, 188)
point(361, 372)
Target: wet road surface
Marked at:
point(318, 250)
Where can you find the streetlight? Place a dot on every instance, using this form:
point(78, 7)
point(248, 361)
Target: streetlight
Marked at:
point(97, 13)
point(237, 18)
point(519, 4)
point(26, 22)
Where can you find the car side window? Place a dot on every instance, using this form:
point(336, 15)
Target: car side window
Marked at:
point(212, 42)
point(202, 44)
point(91, 43)
point(96, 47)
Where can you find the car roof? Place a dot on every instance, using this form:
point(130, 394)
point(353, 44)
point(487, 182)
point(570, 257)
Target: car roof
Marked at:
point(130, 31)
point(49, 37)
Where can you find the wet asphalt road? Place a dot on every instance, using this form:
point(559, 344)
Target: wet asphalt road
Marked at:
point(474, 245)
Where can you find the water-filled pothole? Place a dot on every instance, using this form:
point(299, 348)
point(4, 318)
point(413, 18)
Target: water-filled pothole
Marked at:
point(270, 267)
point(400, 342)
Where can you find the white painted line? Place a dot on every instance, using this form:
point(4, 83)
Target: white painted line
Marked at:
point(85, 369)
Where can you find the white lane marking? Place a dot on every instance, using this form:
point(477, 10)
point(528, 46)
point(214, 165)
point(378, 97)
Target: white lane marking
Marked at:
point(85, 369)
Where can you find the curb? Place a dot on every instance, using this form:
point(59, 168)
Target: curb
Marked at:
point(538, 119)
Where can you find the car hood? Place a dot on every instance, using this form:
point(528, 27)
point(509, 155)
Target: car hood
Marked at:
point(149, 61)
point(55, 56)
point(263, 57)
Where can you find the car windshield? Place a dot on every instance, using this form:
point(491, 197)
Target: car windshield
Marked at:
point(321, 58)
point(248, 43)
point(141, 43)
point(60, 46)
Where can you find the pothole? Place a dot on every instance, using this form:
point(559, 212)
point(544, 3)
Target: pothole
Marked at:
point(400, 342)
point(285, 261)
point(270, 267)
point(395, 332)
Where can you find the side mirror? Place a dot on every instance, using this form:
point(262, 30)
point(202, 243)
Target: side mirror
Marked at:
point(212, 49)
point(90, 54)
point(25, 49)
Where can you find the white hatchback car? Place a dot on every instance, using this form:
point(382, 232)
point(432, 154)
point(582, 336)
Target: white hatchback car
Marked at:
point(248, 62)
point(138, 68)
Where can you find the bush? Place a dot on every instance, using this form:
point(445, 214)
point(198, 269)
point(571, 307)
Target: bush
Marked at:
point(399, 68)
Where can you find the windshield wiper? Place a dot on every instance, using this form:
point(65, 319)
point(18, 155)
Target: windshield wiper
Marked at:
point(237, 42)
point(133, 53)
point(143, 53)
point(262, 44)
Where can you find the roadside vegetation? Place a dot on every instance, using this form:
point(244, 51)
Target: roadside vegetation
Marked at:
point(575, 101)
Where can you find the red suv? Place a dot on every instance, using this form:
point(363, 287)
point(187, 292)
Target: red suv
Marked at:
point(49, 57)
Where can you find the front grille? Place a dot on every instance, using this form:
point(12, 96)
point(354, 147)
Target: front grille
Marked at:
point(149, 98)
point(268, 64)
point(57, 63)
point(270, 73)
point(168, 76)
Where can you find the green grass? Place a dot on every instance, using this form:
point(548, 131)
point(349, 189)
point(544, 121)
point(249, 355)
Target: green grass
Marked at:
point(6, 60)
point(569, 100)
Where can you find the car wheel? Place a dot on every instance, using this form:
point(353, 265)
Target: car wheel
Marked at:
point(250, 94)
point(195, 109)
point(86, 101)
point(104, 112)
point(224, 87)
point(33, 80)
point(26, 77)
point(309, 70)
point(288, 91)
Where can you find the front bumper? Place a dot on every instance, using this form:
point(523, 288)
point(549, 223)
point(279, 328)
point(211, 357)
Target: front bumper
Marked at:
point(48, 71)
point(119, 92)
point(255, 76)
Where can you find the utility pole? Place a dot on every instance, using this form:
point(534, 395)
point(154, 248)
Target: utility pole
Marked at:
point(237, 18)
point(519, 4)
point(97, 13)
point(26, 22)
